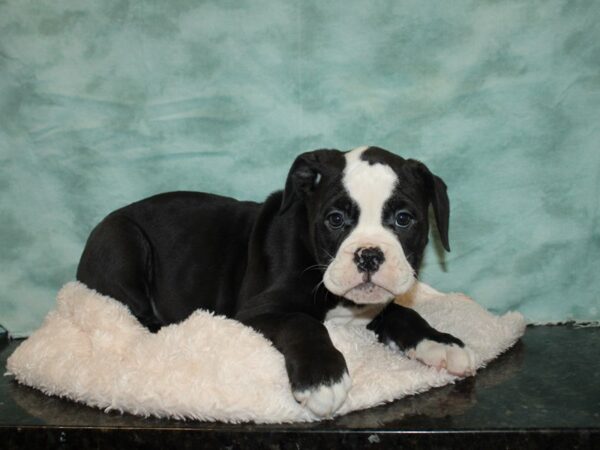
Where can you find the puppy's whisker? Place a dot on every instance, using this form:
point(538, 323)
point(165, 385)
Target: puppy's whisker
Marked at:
point(315, 266)
point(331, 258)
point(326, 294)
point(316, 289)
point(317, 286)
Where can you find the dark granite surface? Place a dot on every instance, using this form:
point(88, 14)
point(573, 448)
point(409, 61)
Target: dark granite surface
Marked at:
point(3, 336)
point(544, 392)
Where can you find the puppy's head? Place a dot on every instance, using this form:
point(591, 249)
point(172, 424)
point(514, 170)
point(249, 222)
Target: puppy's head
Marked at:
point(368, 218)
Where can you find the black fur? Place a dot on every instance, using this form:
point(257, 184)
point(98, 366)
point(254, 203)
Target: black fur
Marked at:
point(173, 253)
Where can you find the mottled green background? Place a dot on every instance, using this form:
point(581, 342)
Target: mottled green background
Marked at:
point(105, 102)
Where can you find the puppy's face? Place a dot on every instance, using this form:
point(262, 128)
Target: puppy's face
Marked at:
point(368, 219)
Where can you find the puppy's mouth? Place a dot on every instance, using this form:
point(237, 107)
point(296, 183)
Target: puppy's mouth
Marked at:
point(368, 287)
point(368, 292)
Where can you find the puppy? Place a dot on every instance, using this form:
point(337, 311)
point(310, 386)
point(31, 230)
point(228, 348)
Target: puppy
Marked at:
point(344, 237)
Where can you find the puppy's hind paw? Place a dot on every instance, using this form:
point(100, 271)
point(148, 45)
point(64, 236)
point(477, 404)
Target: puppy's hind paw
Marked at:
point(325, 399)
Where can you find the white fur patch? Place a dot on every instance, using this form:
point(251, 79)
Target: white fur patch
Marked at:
point(325, 399)
point(354, 315)
point(370, 186)
point(458, 361)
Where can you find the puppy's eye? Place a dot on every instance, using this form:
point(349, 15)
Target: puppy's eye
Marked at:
point(336, 220)
point(403, 219)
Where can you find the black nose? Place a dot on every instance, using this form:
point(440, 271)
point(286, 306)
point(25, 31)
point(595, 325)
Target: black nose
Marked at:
point(368, 259)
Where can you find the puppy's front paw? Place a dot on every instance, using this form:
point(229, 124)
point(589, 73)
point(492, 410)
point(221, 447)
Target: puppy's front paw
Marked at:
point(457, 360)
point(326, 398)
point(319, 379)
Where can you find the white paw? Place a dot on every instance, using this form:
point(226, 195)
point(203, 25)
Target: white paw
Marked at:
point(459, 361)
point(325, 399)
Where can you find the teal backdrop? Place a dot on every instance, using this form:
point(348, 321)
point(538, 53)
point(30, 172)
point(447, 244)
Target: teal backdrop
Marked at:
point(105, 102)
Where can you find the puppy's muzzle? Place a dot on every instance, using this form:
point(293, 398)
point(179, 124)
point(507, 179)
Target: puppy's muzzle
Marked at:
point(368, 259)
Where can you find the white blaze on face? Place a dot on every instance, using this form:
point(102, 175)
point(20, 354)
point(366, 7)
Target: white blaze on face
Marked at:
point(370, 186)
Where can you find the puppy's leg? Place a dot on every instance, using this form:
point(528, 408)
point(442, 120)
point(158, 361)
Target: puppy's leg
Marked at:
point(316, 369)
point(406, 329)
point(116, 262)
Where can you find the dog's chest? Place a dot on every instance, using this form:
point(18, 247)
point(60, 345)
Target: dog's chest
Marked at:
point(344, 314)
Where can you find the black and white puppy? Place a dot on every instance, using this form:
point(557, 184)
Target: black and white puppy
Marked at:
point(344, 238)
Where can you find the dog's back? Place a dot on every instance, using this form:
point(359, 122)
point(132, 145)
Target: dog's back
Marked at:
point(156, 252)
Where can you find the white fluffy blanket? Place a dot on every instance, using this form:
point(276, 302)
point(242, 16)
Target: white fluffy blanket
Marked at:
point(92, 350)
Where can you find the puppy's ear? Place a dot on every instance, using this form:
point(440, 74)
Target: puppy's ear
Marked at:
point(306, 174)
point(438, 196)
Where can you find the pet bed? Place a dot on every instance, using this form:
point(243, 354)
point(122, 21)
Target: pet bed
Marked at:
point(90, 349)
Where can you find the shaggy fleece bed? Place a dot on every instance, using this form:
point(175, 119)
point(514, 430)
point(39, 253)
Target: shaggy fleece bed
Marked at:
point(90, 349)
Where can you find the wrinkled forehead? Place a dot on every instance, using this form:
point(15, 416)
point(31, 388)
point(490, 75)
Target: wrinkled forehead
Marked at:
point(369, 178)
